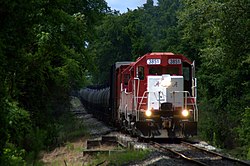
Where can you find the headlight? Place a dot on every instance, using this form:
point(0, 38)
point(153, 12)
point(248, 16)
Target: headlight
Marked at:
point(148, 113)
point(185, 113)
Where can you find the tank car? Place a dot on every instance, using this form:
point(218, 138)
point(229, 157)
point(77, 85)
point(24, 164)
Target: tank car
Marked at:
point(155, 96)
point(96, 100)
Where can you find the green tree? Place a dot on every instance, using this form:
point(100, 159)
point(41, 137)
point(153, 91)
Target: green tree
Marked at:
point(112, 44)
point(43, 58)
point(216, 32)
point(130, 35)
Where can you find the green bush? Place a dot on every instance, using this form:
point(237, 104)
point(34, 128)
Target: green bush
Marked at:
point(22, 134)
point(13, 156)
point(19, 125)
point(120, 158)
point(244, 129)
point(37, 140)
point(244, 133)
point(248, 154)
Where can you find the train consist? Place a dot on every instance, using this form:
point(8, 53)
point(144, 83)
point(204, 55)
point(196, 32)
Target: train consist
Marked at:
point(155, 96)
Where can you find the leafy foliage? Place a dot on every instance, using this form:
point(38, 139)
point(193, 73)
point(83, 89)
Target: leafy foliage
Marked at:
point(125, 37)
point(244, 133)
point(19, 124)
point(13, 156)
point(244, 130)
point(222, 53)
point(43, 58)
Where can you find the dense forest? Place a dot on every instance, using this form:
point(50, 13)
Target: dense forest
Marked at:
point(50, 48)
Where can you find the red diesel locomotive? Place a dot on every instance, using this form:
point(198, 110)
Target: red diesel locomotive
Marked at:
point(155, 96)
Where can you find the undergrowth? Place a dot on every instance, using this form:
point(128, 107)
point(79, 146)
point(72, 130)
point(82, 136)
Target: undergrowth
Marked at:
point(120, 158)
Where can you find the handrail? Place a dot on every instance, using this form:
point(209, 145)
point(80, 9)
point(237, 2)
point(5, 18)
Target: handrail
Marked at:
point(142, 99)
point(127, 93)
point(135, 95)
point(196, 114)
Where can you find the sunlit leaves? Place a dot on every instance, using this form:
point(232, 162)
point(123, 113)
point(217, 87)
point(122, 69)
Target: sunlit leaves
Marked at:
point(43, 38)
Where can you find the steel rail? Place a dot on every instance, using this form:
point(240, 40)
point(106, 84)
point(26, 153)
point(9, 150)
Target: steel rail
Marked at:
point(159, 146)
point(217, 154)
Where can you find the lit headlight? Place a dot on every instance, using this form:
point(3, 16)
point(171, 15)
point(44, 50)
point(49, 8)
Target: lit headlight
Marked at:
point(185, 113)
point(148, 113)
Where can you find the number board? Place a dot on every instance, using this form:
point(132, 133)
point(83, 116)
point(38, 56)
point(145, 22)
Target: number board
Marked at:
point(174, 61)
point(154, 61)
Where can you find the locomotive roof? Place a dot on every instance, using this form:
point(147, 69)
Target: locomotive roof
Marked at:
point(132, 64)
point(161, 53)
point(185, 59)
point(118, 64)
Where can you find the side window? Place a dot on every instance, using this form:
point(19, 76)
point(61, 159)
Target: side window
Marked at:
point(132, 73)
point(141, 72)
point(186, 73)
point(126, 79)
point(186, 69)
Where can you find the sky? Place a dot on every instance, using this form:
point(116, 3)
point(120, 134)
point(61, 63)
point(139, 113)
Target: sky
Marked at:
point(122, 5)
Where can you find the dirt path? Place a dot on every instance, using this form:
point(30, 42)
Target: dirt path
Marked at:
point(72, 152)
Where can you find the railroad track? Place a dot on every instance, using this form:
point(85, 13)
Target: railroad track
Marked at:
point(218, 159)
point(198, 156)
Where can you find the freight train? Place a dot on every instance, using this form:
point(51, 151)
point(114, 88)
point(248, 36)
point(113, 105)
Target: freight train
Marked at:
point(155, 96)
